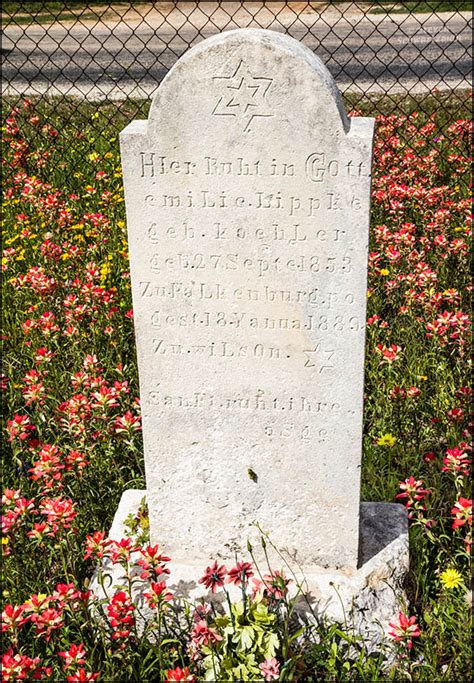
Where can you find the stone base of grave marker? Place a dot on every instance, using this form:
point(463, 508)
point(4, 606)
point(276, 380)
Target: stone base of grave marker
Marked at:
point(366, 599)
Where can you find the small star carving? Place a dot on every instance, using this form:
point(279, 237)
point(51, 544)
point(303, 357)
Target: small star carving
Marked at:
point(319, 358)
point(244, 96)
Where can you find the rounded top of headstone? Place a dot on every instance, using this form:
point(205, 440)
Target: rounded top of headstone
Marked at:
point(253, 80)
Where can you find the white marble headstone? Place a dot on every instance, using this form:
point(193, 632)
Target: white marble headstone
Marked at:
point(247, 195)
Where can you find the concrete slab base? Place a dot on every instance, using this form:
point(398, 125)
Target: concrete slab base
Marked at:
point(365, 599)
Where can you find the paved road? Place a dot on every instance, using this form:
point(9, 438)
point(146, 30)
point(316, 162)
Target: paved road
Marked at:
point(128, 55)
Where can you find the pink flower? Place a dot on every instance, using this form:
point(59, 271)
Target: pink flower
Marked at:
point(203, 635)
point(213, 577)
point(273, 585)
point(270, 669)
point(405, 630)
point(240, 573)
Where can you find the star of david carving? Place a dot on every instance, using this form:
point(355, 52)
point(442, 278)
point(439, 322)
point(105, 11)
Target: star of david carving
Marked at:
point(319, 358)
point(243, 96)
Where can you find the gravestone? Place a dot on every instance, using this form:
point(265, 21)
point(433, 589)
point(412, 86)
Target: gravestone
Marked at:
point(247, 194)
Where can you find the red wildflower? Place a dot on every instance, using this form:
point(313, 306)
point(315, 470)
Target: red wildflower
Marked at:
point(462, 512)
point(120, 611)
point(121, 551)
point(39, 531)
point(59, 512)
point(455, 414)
point(127, 424)
point(67, 595)
point(74, 656)
point(456, 461)
point(47, 621)
point(179, 674)
point(389, 353)
point(412, 490)
point(96, 545)
point(13, 617)
point(10, 496)
point(157, 595)
point(152, 562)
point(20, 427)
point(214, 577)
point(81, 676)
point(405, 630)
point(18, 667)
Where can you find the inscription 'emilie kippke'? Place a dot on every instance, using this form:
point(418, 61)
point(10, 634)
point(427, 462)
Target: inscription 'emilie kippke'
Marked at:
point(291, 205)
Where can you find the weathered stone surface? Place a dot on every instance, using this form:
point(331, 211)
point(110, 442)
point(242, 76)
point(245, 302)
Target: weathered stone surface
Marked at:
point(365, 600)
point(247, 194)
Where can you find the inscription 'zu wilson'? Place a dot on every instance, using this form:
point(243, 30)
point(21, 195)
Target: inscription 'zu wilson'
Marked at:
point(219, 349)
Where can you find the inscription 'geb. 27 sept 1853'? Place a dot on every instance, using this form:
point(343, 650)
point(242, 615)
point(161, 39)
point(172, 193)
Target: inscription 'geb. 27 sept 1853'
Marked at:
point(247, 195)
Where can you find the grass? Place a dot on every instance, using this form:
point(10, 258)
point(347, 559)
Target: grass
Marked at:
point(421, 7)
point(48, 12)
point(64, 227)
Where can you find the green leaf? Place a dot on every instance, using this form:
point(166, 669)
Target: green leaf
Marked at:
point(271, 642)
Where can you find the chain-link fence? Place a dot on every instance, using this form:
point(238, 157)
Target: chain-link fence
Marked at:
point(385, 56)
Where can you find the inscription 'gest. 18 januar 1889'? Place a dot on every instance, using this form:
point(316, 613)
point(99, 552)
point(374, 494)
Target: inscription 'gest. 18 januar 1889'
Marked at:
point(248, 220)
